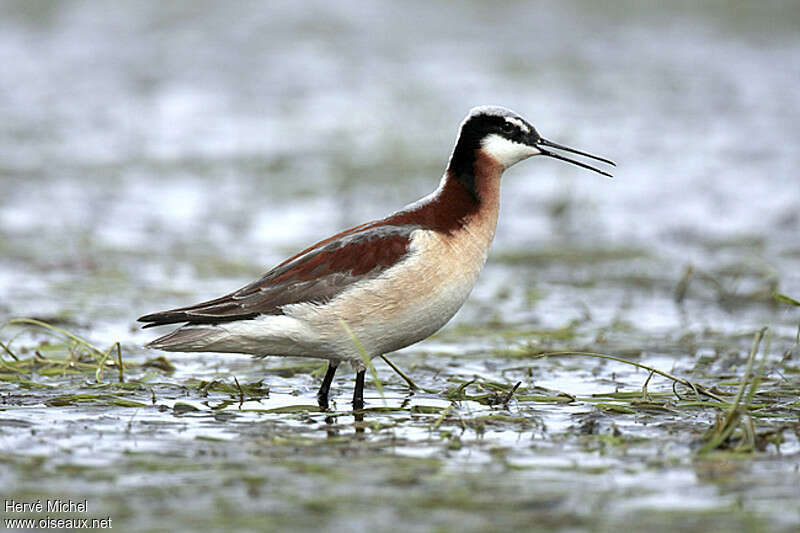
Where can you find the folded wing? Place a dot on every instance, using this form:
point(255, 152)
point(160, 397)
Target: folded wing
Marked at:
point(315, 275)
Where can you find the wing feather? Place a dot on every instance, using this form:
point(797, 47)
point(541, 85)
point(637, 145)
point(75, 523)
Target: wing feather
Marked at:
point(317, 274)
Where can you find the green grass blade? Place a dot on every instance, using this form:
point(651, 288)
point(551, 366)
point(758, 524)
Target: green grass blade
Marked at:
point(365, 356)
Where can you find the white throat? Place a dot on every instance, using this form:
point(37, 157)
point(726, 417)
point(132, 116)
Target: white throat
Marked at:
point(506, 151)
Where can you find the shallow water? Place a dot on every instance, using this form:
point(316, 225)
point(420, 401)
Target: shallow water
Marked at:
point(156, 154)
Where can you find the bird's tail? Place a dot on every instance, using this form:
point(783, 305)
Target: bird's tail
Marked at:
point(188, 339)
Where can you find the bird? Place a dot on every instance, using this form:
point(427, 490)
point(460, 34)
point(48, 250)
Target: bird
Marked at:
point(382, 285)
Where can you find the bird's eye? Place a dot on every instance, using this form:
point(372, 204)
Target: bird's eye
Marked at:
point(508, 127)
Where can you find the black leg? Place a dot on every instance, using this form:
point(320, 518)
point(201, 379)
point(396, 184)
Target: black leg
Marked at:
point(358, 393)
point(322, 395)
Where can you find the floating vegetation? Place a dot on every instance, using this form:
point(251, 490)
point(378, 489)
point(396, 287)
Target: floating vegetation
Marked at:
point(549, 417)
point(782, 298)
point(734, 404)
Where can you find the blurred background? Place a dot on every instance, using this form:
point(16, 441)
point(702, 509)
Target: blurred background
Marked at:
point(153, 154)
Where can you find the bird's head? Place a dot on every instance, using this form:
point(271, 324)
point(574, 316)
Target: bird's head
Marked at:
point(508, 138)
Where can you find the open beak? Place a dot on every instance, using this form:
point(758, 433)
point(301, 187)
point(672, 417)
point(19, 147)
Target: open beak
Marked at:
point(550, 144)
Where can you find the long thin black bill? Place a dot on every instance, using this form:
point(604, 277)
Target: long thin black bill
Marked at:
point(574, 162)
point(557, 146)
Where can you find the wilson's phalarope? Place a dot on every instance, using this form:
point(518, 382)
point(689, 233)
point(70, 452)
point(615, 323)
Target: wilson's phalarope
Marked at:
point(393, 282)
